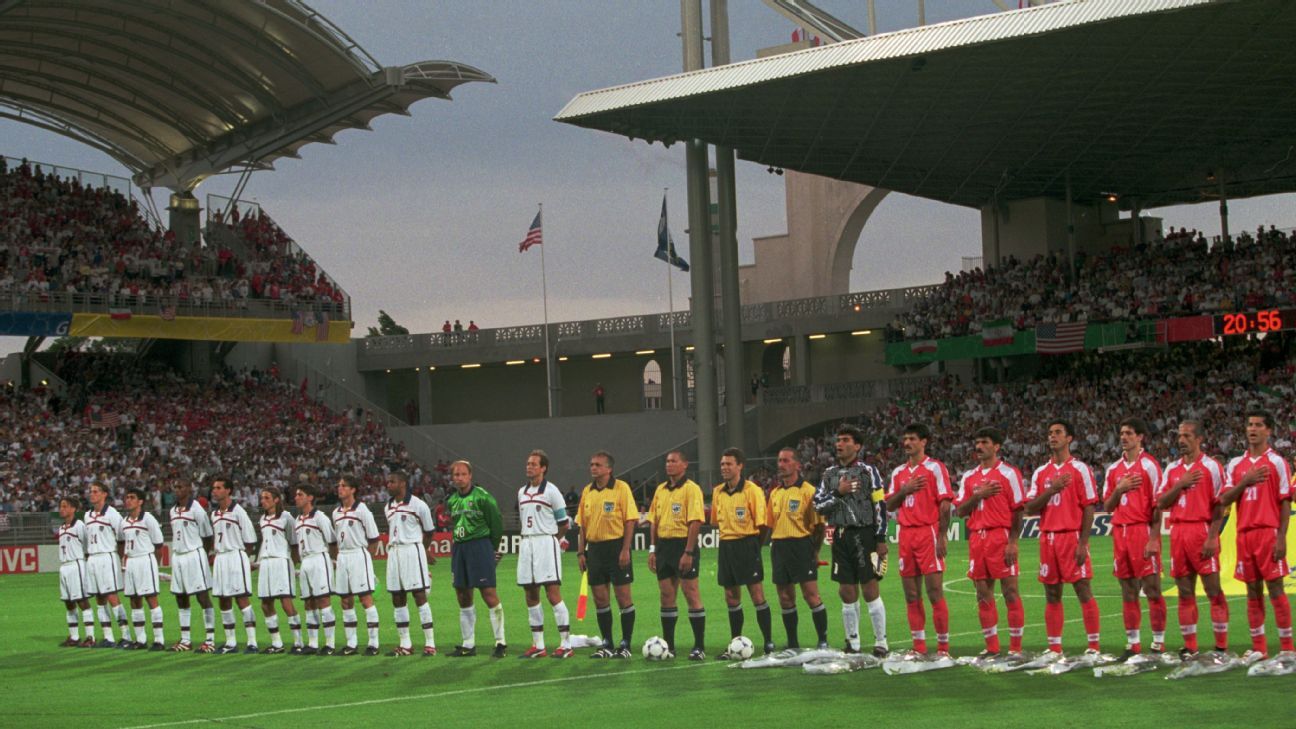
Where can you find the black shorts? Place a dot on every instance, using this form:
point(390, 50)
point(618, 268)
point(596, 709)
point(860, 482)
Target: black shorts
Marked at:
point(852, 555)
point(669, 552)
point(602, 563)
point(472, 564)
point(740, 562)
point(793, 561)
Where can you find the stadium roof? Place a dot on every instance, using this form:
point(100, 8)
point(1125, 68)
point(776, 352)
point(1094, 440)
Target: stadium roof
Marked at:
point(178, 90)
point(1155, 100)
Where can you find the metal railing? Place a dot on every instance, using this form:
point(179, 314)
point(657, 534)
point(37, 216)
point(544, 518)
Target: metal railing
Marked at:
point(85, 177)
point(59, 301)
point(793, 395)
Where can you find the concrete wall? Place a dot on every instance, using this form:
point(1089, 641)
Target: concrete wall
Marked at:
point(1039, 226)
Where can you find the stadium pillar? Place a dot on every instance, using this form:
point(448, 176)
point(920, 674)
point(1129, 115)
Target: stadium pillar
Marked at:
point(554, 376)
point(424, 397)
point(1070, 226)
point(800, 360)
point(730, 300)
point(185, 211)
point(1224, 229)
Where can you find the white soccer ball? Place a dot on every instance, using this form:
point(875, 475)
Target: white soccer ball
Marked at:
point(741, 648)
point(655, 649)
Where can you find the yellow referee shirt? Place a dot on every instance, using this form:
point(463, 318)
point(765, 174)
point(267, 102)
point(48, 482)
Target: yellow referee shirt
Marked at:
point(740, 513)
point(791, 511)
point(603, 513)
point(673, 508)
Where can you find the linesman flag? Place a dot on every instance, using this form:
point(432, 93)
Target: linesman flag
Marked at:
point(582, 602)
point(533, 237)
point(666, 243)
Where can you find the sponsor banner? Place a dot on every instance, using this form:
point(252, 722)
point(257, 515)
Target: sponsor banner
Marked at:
point(1101, 526)
point(35, 323)
point(440, 545)
point(47, 557)
point(23, 559)
point(1229, 583)
point(206, 329)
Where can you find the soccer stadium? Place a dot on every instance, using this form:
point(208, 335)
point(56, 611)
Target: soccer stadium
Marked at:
point(996, 432)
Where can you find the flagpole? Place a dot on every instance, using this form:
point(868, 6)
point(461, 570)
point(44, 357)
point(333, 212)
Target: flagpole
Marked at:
point(544, 293)
point(670, 302)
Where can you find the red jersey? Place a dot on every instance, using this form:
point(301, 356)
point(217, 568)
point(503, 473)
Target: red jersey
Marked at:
point(1195, 503)
point(1065, 509)
point(1260, 504)
point(1135, 506)
point(921, 508)
point(996, 511)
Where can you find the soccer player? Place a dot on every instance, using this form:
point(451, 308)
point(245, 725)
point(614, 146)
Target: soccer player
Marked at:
point(991, 498)
point(409, 525)
point(72, 590)
point(232, 570)
point(1130, 497)
point(796, 535)
point(852, 496)
point(275, 568)
point(139, 538)
point(103, 567)
point(317, 545)
point(607, 516)
point(1063, 493)
point(476, 534)
point(674, 520)
point(543, 516)
point(920, 495)
point(357, 540)
point(191, 540)
point(1260, 483)
point(738, 513)
point(1190, 488)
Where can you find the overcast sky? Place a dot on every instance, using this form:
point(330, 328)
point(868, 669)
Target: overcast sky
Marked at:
point(421, 217)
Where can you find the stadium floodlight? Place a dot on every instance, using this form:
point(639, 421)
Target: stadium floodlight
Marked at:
point(646, 351)
point(688, 348)
point(817, 336)
point(474, 365)
point(772, 340)
point(515, 362)
point(862, 333)
point(604, 355)
point(562, 358)
point(431, 368)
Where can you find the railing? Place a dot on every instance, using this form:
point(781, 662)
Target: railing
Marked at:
point(791, 395)
point(147, 304)
point(87, 178)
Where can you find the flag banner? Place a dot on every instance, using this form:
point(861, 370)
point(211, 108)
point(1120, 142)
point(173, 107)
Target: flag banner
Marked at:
point(666, 243)
point(534, 237)
point(119, 313)
point(104, 419)
point(322, 328)
point(922, 347)
point(996, 333)
point(1060, 338)
point(1190, 328)
point(34, 324)
point(298, 324)
point(167, 313)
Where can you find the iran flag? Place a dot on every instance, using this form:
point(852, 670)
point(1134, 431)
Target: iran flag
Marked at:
point(997, 332)
point(119, 313)
point(925, 346)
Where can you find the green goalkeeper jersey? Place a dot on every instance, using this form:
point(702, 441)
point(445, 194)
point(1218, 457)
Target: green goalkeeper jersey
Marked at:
point(475, 516)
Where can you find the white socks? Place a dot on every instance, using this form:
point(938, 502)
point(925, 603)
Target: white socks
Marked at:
point(87, 619)
point(106, 623)
point(184, 615)
point(535, 616)
point(564, 624)
point(468, 626)
point(249, 625)
point(371, 619)
point(349, 624)
point(155, 615)
point(327, 620)
point(877, 616)
point(850, 623)
point(402, 619)
point(272, 625)
point(497, 623)
point(425, 617)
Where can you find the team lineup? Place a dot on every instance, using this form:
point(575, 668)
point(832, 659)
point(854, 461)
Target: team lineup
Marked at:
point(314, 556)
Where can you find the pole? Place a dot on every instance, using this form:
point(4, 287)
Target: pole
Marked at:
point(544, 295)
point(731, 303)
point(1070, 213)
point(670, 302)
point(1223, 209)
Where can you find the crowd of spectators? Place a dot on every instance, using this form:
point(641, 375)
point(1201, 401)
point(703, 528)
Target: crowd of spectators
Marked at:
point(276, 269)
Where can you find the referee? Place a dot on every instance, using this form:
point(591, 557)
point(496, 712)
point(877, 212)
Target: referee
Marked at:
point(797, 533)
point(607, 516)
point(738, 511)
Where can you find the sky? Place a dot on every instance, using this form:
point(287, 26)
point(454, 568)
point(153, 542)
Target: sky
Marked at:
point(421, 217)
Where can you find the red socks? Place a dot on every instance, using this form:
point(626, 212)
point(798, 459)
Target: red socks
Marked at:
point(1256, 620)
point(1219, 621)
point(1157, 616)
point(1054, 617)
point(917, 624)
point(989, 616)
point(1188, 621)
point(1133, 616)
point(1283, 618)
point(1016, 625)
point(1093, 621)
point(940, 619)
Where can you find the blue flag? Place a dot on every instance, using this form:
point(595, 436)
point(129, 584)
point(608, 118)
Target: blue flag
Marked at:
point(666, 243)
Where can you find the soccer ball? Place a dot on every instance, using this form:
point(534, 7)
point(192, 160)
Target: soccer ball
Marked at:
point(655, 649)
point(741, 648)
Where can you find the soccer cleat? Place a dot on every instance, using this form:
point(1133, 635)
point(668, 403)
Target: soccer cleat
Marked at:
point(697, 654)
point(326, 651)
point(534, 652)
point(604, 652)
point(139, 646)
point(251, 650)
point(1157, 648)
point(86, 642)
point(822, 645)
point(1253, 656)
point(880, 651)
point(562, 653)
point(105, 643)
point(181, 646)
point(273, 650)
point(227, 649)
point(463, 652)
point(70, 642)
point(126, 645)
point(500, 651)
point(622, 652)
point(297, 650)
point(1128, 654)
point(1186, 654)
point(850, 651)
point(371, 650)
point(769, 648)
point(940, 655)
point(207, 647)
point(400, 650)
point(309, 650)
point(429, 650)
point(349, 651)
point(156, 647)
point(668, 655)
point(725, 655)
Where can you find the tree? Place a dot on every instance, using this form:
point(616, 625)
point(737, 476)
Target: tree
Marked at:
point(387, 327)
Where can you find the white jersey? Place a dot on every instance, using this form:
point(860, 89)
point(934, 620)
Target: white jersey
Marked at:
point(278, 535)
point(541, 510)
point(142, 536)
point(407, 520)
point(314, 533)
point(233, 529)
point(189, 527)
point(355, 527)
point(71, 541)
point(102, 528)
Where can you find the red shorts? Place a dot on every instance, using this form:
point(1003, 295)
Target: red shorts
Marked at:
point(1186, 542)
point(986, 555)
point(1058, 559)
point(1255, 556)
point(918, 551)
point(1129, 542)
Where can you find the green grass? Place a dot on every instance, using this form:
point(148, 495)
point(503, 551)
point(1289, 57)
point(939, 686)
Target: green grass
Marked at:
point(50, 686)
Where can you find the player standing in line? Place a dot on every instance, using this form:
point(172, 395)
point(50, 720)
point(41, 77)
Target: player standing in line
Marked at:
point(738, 513)
point(232, 570)
point(852, 496)
point(543, 516)
point(275, 568)
point(607, 516)
point(191, 539)
point(920, 496)
point(674, 520)
point(357, 540)
point(140, 537)
point(1063, 493)
point(1260, 483)
point(72, 589)
point(317, 545)
point(1190, 489)
point(409, 529)
point(796, 535)
point(1130, 497)
point(991, 498)
point(103, 567)
point(476, 533)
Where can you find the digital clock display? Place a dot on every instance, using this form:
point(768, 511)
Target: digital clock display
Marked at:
point(1255, 322)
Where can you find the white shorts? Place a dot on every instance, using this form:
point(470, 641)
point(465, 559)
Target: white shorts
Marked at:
point(539, 561)
point(141, 576)
point(72, 582)
point(103, 574)
point(316, 576)
point(407, 569)
point(274, 578)
point(355, 573)
point(231, 575)
point(190, 573)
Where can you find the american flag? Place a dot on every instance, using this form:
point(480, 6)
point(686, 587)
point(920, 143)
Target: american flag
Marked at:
point(533, 236)
point(168, 313)
point(322, 328)
point(104, 419)
point(298, 326)
point(1060, 338)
